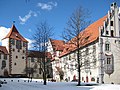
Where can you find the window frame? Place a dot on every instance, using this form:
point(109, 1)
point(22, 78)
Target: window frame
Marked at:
point(107, 46)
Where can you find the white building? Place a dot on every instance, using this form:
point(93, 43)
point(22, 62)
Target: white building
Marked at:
point(99, 56)
point(55, 47)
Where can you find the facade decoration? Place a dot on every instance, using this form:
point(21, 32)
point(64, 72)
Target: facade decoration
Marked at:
point(99, 55)
point(16, 46)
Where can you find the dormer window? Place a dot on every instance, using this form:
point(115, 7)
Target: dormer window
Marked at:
point(87, 38)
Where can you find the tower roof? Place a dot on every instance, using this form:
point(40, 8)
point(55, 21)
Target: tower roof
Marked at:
point(14, 34)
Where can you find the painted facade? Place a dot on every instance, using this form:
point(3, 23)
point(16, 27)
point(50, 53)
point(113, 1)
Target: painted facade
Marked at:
point(55, 47)
point(16, 46)
point(99, 56)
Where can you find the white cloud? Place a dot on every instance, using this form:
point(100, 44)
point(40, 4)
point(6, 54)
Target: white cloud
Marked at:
point(29, 43)
point(47, 6)
point(26, 17)
point(3, 32)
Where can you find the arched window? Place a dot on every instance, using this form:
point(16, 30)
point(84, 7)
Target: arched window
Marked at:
point(3, 64)
point(107, 46)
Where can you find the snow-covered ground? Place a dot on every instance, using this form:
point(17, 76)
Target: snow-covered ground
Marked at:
point(36, 84)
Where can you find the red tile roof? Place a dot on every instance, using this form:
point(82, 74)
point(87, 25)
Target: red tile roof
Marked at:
point(37, 54)
point(90, 34)
point(3, 50)
point(14, 34)
point(57, 44)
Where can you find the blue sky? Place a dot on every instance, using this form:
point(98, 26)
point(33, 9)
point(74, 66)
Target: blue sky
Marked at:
point(56, 12)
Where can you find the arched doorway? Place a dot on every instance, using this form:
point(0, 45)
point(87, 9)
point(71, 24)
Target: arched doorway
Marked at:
point(86, 78)
point(5, 73)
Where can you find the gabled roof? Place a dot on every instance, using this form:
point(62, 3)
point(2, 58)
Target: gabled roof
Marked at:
point(37, 54)
point(90, 34)
point(14, 34)
point(3, 50)
point(57, 44)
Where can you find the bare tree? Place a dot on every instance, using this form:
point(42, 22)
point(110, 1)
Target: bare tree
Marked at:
point(40, 37)
point(72, 33)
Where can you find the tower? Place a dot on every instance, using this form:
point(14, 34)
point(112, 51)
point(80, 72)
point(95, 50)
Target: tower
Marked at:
point(16, 45)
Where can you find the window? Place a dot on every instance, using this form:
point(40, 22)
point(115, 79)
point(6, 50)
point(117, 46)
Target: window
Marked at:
point(5, 57)
point(108, 60)
point(12, 41)
point(94, 61)
point(111, 23)
point(23, 51)
point(18, 50)
point(3, 64)
point(16, 57)
point(32, 59)
point(13, 49)
point(22, 57)
point(24, 44)
point(94, 48)
point(15, 64)
point(112, 33)
point(86, 62)
point(107, 32)
point(107, 46)
point(18, 44)
point(87, 51)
